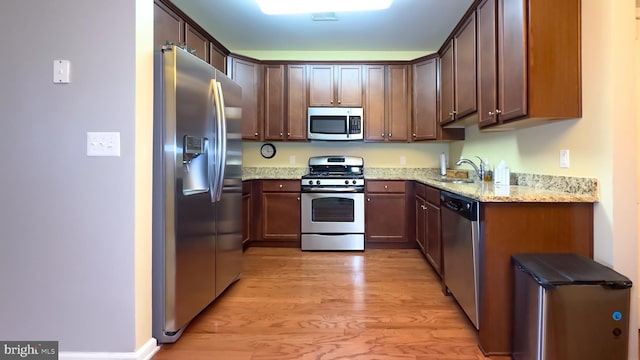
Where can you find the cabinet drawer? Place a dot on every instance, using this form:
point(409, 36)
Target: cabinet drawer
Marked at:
point(420, 190)
point(433, 195)
point(281, 185)
point(375, 186)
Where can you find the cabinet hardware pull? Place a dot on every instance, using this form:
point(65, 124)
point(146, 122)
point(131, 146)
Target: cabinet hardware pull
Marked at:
point(368, 199)
point(331, 101)
point(414, 135)
point(339, 101)
point(498, 111)
point(490, 113)
point(288, 134)
point(454, 112)
point(382, 134)
point(389, 134)
point(298, 198)
point(281, 186)
point(386, 186)
point(280, 134)
point(255, 134)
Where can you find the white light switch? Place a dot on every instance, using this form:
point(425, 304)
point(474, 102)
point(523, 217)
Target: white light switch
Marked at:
point(103, 144)
point(403, 160)
point(61, 70)
point(564, 158)
point(292, 159)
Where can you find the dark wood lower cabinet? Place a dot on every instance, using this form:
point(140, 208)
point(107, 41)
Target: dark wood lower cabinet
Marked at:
point(247, 209)
point(280, 212)
point(427, 224)
point(386, 220)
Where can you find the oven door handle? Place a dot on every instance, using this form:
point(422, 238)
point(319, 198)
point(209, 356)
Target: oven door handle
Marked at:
point(317, 189)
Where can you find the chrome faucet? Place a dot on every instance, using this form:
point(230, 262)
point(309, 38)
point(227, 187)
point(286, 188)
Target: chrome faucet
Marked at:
point(479, 169)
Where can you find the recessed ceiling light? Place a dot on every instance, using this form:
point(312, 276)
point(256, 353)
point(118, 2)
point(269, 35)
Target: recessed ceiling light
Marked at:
point(279, 7)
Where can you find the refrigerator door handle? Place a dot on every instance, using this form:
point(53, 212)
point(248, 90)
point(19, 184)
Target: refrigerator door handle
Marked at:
point(212, 148)
point(222, 138)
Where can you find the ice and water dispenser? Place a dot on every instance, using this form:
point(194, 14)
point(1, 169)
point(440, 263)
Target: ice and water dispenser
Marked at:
point(569, 307)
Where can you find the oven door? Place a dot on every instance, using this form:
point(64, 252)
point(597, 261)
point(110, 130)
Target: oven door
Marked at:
point(332, 213)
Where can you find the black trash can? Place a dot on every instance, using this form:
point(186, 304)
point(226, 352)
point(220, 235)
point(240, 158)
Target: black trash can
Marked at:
point(569, 307)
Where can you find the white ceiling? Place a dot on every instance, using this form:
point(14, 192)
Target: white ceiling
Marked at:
point(408, 25)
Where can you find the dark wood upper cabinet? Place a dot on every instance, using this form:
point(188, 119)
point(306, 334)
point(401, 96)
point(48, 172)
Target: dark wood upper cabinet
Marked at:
point(447, 86)
point(458, 73)
point(425, 99)
point(536, 75)
point(465, 68)
point(198, 42)
point(167, 26)
point(274, 108)
point(217, 58)
point(285, 105)
point(335, 85)
point(297, 102)
point(387, 113)
point(248, 75)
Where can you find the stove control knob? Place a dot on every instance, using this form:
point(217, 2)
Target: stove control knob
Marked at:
point(346, 182)
point(317, 182)
point(310, 182)
point(354, 182)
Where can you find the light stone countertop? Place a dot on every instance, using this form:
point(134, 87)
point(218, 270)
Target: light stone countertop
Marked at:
point(529, 188)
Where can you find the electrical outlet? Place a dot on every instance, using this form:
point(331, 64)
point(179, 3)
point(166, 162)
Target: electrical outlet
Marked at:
point(103, 144)
point(564, 158)
point(292, 159)
point(403, 160)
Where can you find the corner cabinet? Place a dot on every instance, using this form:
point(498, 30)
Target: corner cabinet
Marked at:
point(425, 104)
point(387, 103)
point(528, 62)
point(335, 85)
point(386, 214)
point(248, 75)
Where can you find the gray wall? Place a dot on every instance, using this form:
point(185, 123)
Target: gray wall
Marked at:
point(67, 220)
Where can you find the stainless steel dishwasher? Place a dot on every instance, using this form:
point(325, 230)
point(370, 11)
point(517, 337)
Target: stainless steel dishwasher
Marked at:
point(460, 242)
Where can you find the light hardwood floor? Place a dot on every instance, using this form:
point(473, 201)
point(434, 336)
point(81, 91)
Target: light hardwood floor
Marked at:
point(289, 304)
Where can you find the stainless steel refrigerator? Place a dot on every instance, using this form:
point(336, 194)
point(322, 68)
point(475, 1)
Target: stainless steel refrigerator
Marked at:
point(197, 188)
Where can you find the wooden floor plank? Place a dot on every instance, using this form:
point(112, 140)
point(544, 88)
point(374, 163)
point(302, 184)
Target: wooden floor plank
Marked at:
point(290, 304)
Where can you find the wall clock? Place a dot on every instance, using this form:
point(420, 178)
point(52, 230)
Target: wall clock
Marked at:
point(268, 151)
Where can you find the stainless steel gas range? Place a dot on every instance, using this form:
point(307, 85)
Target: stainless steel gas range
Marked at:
point(332, 200)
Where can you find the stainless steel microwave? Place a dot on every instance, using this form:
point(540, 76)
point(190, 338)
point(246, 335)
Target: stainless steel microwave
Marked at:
point(334, 123)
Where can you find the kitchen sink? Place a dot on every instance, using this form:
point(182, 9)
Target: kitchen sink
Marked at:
point(455, 180)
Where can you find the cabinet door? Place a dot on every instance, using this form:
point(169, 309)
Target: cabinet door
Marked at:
point(433, 244)
point(425, 92)
point(198, 42)
point(217, 58)
point(465, 68)
point(399, 116)
point(385, 218)
point(487, 64)
point(421, 223)
point(349, 85)
point(246, 212)
point(167, 26)
point(274, 116)
point(247, 75)
point(321, 85)
point(374, 105)
point(281, 216)
point(297, 102)
point(512, 67)
point(447, 78)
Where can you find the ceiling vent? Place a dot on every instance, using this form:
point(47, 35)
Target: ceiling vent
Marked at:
point(324, 16)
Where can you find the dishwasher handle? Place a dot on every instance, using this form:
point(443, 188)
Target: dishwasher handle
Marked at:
point(463, 206)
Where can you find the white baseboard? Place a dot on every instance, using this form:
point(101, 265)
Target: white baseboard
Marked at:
point(145, 352)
